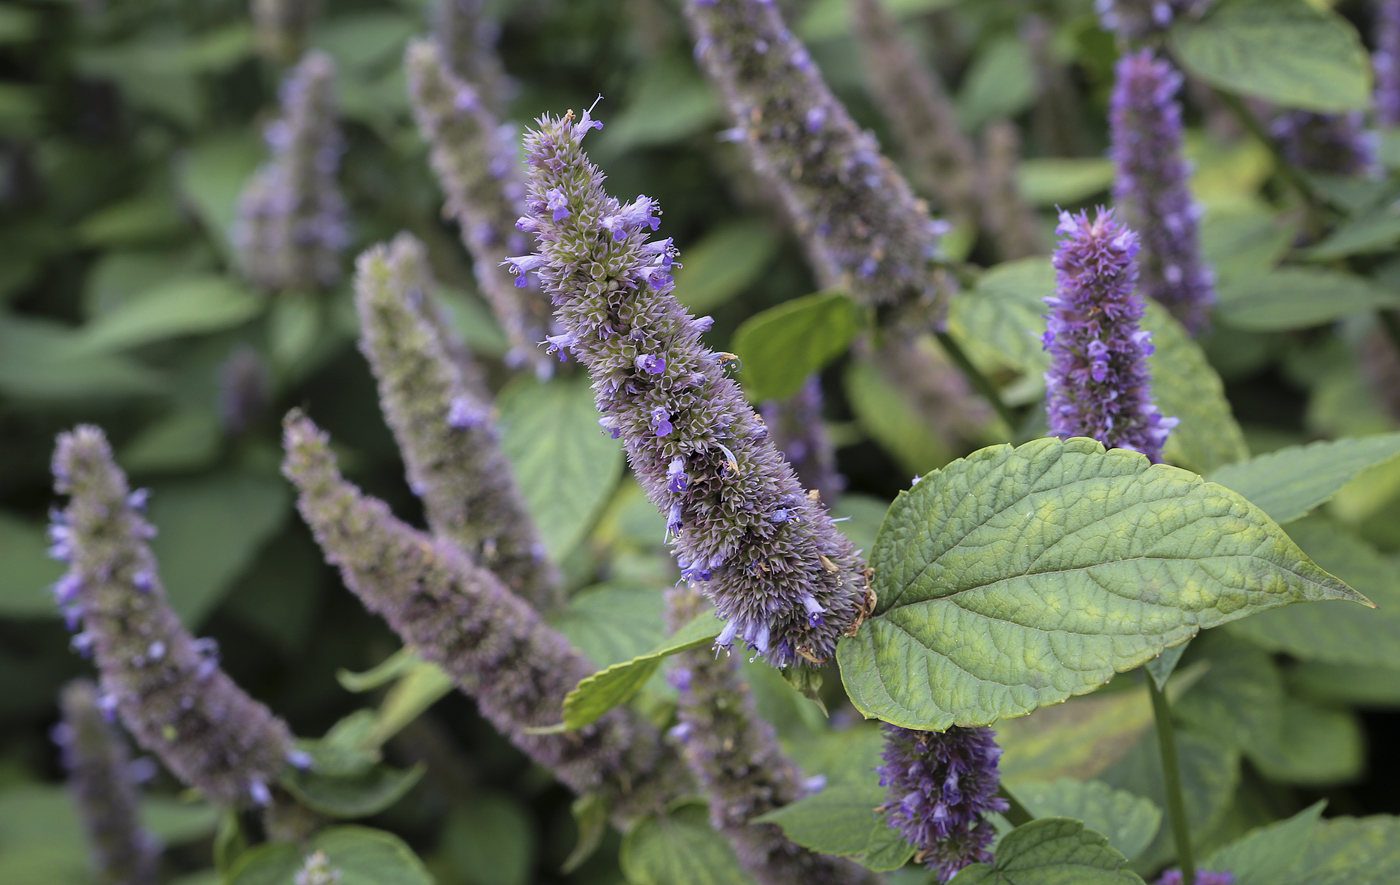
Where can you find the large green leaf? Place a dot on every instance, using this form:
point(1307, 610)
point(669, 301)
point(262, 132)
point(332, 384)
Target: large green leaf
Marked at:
point(1241, 701)
point(1241, 242)
point(1349, 851)
point(211, 177)
point(783, 345)
point(1187, 388)
point(841, 819)
point(1266, 855)
point(188, 306)
point(1289, 482)
point(1128, 822)
point(210, 529)
point(723, 263)
point(28, 570)
point(1016, 578)
point(1055, 181)
point(1005, 314)
point(679, 848)
point(565, 466)
point(1356, 685)
point(615, 685)
point(1051, 851)
point(890, 420)
point(1284, 51)
point(1315, 746)
point(490, 840)
point(1000, 82)
point(614, 622)
point(1077, 739)
point(1373, 231)
point(1298, 297)
point(667, 102)
point(37, 361)
point(362, 855)
point(1337, 634)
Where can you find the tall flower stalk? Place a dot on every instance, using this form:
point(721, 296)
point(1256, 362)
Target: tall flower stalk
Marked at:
point(735, 757)
point(1098, 384)
point(786, 582)
point(443, 424)
point(103, 786)
point(293, 224)
point(165, 684)
point(496, 648)
point(942, 786)
point(1150, 187)
point(475, 159)
point(860, 224)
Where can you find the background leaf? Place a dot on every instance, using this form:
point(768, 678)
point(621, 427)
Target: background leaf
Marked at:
point(28, 571)
point(679, 848)
point(1266, 855)
point(188, 306)
point(783, 345)
point(724, 263)
point(1050, 851)
point(1350, 851)
point(1289, 482)
point(1298, 297)
point(363, 856)
point(1128, 822)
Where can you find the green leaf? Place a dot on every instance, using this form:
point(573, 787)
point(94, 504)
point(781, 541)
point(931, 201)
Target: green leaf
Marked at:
point(490, 840)
point(783, 345)
point(1374, 231)
point(890, 420)
point(363, 856)
point(614, 622)
point(1055, 181)
point(1349, 851)
point(1336, 634)
point(599, 693)
point(1210, 773)
point(679, 848)
point(1241, 701)
point(150, 216)
point(1265, 856)
point(1298, 297)
point(841, 819)
point(381, 674)
point(1284, 51)
point(1289, 482)
point(565, 466)
point(1128, 822)
point(1243, 243)
point(37, 362)
point(28, 571)
point(591, 819)
point(423, 685)
point(351, 795)
point(1001, 82)
point(860, 517)
point(1160, 668)
point(725, 262)
point(365, 39)
point(1077, 739)
point(1355, 685)
point(1051, 851)
point(211, 177)
point(668, 103)
point(210, 529)
point(1005, 314)
point(187, 439)
point(189, 306)
point(1315, 746)
point(1084, 562)
point(1187, 388)
point(828, 19)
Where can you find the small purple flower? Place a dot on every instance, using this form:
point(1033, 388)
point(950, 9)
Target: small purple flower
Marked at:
point(661, 422)
point(1203, 877)
point(1098, 384)
point(675, 476)
point(652, 364)
point(559, 203)
point(941, 787)
point(521, 266)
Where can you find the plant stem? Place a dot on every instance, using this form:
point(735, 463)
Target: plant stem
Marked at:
point(978, 381)
point(1016, 814)
point(1171, 781)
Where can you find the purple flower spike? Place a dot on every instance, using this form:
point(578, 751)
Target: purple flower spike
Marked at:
point(615, 300)
point(1150, 188)
point(1203, 877)
point(941, 787)
point(1137, 19)
point(1098, 384)
point(1386, 61)
point(1338, 144)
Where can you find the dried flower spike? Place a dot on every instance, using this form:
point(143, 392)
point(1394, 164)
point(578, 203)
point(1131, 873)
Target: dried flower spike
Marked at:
point(292, 220)
point(1150, 188)
point(859, 222)
point(941, 787)
point(735, 756)
point(476, 162)
point(165, 684)
point(102, 782)
point(743, 527)
point(1098, 384)
point(496, 648)
point(443, 424)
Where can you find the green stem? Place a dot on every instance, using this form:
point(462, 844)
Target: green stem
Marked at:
point(1390, 322)
point(1171, 780)
point(979, 382)
point(1016, 814)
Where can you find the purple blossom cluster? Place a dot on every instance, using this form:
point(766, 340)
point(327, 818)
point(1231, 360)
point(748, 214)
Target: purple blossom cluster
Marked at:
point(1386, 61)
point(860, 224)
point(1338, 144)
point(102, 779)
point(475, 159)
point(494, 646)
point(941, 787)
point(1203, 877)
point(1150, 187)
point(1136, 19)
point(785, 581)
point(443, 423)
point(735, 756)
point(293, 223)
point(1098, 384)
point(796, 428)
point(165, 684)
